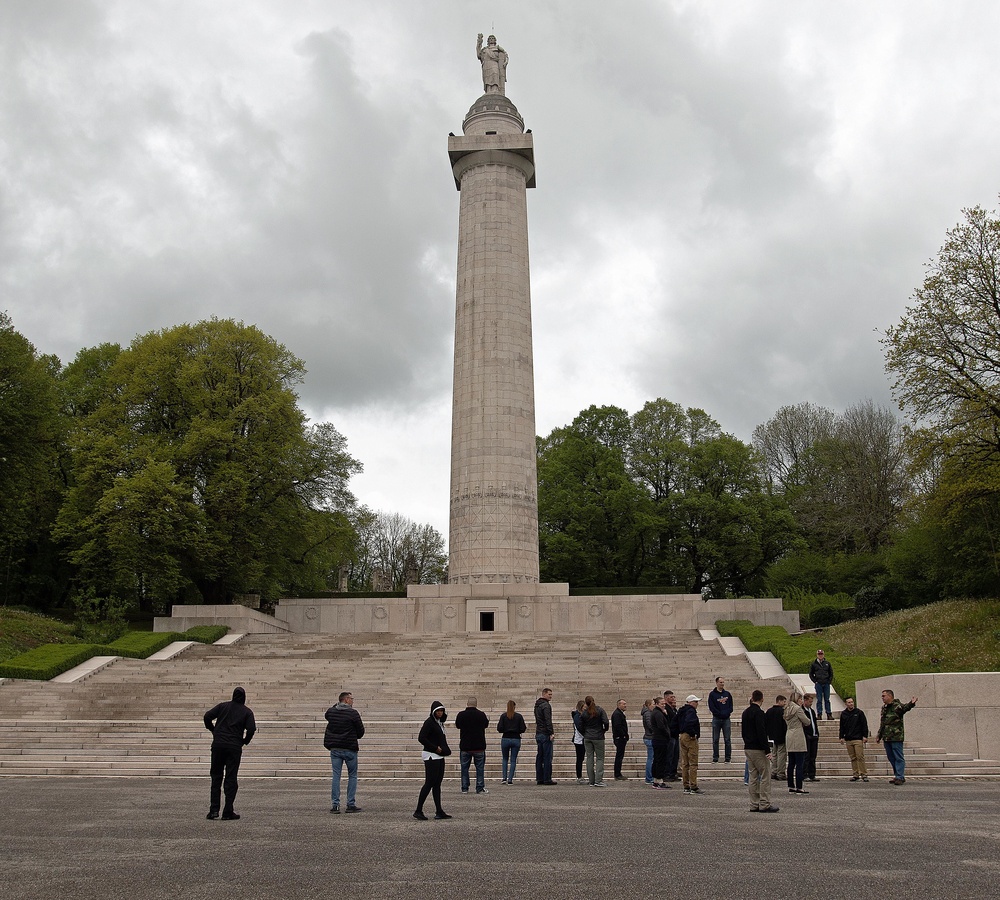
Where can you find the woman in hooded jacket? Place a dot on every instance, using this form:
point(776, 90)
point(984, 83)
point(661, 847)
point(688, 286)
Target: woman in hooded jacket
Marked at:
point(435, 748)
point(795, 742)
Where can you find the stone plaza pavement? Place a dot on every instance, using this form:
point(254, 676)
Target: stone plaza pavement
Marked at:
point(114, 838)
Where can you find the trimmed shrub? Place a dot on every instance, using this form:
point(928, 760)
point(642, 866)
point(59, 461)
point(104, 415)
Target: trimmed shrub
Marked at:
point(140, 644)
point(204, 634)
point(49, 660)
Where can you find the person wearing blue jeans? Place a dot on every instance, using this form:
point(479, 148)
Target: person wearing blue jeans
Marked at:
point(343, 730)
point(821, 675)
point(338, 758)
point(544, 736)
point(511, 726)
point(647, 737)
point(720, 704)
point(891, 733)
point(466, 758)
point(471, 724)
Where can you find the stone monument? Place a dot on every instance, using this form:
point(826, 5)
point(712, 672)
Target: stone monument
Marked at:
point(494, 505)
point(493, 567)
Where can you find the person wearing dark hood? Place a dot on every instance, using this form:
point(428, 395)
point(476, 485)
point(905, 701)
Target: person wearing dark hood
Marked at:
point(233, 726)
point(343, 730)
point(435, 743)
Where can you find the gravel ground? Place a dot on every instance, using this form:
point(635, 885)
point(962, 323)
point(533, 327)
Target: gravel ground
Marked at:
point(148, 838)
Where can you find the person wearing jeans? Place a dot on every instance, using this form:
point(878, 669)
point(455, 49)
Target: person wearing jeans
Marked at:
point(544, 736)
point(344, 729)
point(647, 737)
point(471, 724)
point(890, 732)
point(821, 675)
point(511, 726)
point(338, 759)
point(720, 704)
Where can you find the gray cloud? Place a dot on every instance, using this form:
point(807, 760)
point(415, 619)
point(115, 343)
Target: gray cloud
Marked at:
point(731, 197)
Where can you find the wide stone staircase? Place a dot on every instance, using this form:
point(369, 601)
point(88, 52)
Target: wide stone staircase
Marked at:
point(144, 717)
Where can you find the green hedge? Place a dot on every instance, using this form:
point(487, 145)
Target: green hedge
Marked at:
point(206, 634)
point(140, 644)
point(49, 660)
point(796, 653)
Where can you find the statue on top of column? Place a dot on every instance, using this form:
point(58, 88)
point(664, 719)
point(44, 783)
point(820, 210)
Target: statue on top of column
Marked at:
point(494, 60)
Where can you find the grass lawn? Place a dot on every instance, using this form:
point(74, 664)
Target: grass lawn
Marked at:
point(950, 636)
point(20, 631)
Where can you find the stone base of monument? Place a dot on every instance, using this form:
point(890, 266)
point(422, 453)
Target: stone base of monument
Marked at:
point(531, 608)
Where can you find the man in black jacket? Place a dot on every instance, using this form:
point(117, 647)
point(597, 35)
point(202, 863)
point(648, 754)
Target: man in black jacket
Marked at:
point(619, 734)
point(821, 675)
point(673, 757)
point(544, 736)
point(472, 723)
point(343, 730)
point(854, 735)
point(776, 731)
point(233, 726)
point(757, 749)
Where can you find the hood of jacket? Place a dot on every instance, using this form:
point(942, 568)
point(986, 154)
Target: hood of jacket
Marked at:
point(239, 695)
point(435, 706)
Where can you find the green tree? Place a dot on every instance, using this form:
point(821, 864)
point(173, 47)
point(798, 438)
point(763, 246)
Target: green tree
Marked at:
point(31, 481)
point(659, 498)
point(945, 352)
point(195, 472)
point(591, 528)
point(944, 356)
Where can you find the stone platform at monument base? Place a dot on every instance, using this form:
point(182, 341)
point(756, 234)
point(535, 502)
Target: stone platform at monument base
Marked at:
point(533, 608)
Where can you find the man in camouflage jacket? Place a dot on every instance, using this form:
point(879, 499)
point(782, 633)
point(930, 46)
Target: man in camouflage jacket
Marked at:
point(890, 732)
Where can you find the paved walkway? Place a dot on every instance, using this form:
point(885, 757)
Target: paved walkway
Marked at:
point(126, 838)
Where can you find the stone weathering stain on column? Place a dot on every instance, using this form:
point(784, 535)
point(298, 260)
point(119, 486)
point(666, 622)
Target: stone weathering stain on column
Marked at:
point(494, 503)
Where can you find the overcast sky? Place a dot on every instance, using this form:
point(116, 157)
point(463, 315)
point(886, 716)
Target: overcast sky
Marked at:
point(733, 198)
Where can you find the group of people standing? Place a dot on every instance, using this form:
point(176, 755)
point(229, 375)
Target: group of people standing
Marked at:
point(781, 743)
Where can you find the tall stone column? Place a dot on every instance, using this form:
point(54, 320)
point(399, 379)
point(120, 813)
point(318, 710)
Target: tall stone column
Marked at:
point(494, 503)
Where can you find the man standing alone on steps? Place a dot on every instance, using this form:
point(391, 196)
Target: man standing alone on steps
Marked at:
point(233, 726)
point(720, 704)
point(619, 734)
point(544, 736)
point(821, 675)
point(343, 730)
point(472, 723)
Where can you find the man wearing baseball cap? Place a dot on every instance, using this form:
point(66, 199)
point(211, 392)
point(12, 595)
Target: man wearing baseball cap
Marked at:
point(689, 730)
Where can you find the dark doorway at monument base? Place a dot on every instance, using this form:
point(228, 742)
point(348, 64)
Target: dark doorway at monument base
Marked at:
point(486, 621)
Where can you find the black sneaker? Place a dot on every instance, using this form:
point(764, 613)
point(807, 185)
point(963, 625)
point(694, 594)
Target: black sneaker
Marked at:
point(769, 809)
point(441, 815)
point(335, 810)
point(230, 816)
point(351, 809)
point(212, 815)
point(419, 815)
